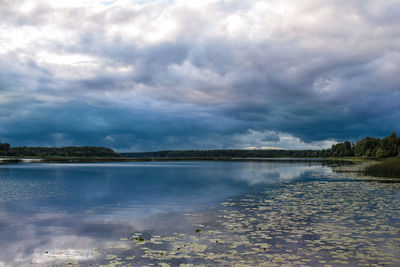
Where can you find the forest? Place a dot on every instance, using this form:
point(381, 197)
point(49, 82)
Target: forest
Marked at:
point(368, 147)
point(72, 151)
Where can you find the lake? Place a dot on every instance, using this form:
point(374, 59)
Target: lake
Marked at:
point(172, 213)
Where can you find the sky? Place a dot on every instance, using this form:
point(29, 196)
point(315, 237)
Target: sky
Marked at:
point(188, 74)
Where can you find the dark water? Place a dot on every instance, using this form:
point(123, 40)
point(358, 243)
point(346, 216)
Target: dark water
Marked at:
point(73, 208)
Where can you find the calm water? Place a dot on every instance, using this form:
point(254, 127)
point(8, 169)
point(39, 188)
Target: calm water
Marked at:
point(82, 206)
point(96, 213)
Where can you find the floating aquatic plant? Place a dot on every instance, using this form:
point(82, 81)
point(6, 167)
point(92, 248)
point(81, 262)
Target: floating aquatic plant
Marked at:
point(325, 222)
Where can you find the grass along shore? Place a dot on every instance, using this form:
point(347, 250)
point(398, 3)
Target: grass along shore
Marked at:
point(385, 168)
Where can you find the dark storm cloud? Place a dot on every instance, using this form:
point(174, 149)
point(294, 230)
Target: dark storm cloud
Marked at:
point(77, 123)
point(160, 75)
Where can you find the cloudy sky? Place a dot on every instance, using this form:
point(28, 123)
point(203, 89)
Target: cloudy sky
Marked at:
point(163, 74)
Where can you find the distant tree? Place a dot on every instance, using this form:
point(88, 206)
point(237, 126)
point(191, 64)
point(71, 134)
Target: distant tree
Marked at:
point(366, 147)
point(86, 151)
point(4, 146)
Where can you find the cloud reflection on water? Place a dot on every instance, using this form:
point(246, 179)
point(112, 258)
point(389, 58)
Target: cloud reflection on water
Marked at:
point(75, 208)
point(274, 172)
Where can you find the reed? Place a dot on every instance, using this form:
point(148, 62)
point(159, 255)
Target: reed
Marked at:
point(386, 168)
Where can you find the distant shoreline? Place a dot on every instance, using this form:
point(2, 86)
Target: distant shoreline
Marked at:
point(5, 160)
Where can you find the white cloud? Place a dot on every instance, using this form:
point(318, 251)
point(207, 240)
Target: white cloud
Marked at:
point(276, 140)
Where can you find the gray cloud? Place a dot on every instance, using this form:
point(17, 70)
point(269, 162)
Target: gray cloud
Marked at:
point(216, 72)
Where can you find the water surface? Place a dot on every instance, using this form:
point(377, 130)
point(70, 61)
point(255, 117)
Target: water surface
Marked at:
point(50, 207)
point(218, 213)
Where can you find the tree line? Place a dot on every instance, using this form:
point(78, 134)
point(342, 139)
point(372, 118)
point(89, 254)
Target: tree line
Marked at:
point(368, 147)
point(72, 151)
